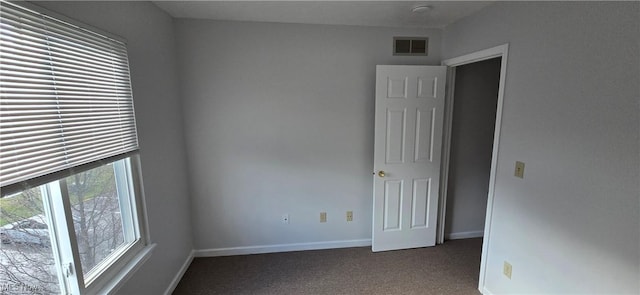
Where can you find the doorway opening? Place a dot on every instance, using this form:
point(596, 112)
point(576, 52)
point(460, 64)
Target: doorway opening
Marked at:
point(501, 53)
point(475, 99)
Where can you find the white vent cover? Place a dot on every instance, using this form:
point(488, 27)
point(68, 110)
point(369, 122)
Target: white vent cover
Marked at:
point(411, 46)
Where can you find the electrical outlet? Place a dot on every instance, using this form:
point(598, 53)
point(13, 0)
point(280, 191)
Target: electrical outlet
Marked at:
point(285, 218)
point(323, 216)
point(349, 215)
point(519, 169)
point(507, 269)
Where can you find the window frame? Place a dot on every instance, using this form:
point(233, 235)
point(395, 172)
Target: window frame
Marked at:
point(61, 229)
point(110, 273)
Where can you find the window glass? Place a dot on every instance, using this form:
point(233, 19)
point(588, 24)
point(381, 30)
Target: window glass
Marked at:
point(96, 214)
point(27, 264)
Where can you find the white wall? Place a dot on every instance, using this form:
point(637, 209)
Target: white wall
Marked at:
point(571, 113)
point(474, 113)
point(149, 33)
point(279, 119)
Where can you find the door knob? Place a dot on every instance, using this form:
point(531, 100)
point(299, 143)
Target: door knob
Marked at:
point(381, 173)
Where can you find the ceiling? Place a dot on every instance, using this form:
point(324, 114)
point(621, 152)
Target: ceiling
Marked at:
point(359, 13)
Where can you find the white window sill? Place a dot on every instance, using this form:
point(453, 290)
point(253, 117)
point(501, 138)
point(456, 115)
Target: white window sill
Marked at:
point(127, 271)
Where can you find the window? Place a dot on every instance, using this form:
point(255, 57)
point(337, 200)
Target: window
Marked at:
point(71, 210)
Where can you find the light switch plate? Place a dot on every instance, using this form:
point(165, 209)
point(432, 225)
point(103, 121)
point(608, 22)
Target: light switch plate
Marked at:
point(507, 269)
point(323, 216)
point(519, 169)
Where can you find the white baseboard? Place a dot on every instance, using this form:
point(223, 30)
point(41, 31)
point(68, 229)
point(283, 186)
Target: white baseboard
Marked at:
point(281, 248)
point(485, 291)
point(178, 277)
point(465, 235)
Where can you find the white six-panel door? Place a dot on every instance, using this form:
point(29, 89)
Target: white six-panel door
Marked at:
point(407, 153)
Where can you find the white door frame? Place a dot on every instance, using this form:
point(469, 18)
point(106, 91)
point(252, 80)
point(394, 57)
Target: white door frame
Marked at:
point(498, 51)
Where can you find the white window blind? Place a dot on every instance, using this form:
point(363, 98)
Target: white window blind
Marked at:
point(66, 96)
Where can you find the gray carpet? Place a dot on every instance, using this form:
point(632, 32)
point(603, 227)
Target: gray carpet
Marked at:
point(451, 268)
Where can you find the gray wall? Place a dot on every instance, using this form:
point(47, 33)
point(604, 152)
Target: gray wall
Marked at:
point(279, 119)
point(149, 33)
point(474, 114)
point(571, 113)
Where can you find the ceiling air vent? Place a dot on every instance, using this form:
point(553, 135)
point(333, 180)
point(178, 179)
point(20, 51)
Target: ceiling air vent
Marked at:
point(412, 46)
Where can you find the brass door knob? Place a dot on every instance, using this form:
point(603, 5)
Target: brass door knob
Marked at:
point(381, 173)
